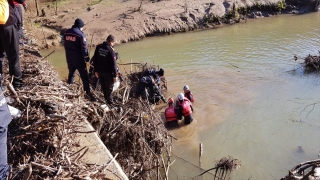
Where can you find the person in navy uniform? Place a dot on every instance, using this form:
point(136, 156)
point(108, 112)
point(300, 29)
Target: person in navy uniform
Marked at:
point(150, 72)
point(105, 67)
point(5, 119)
point(148, 89)
point(9, 45)
point(77, 55)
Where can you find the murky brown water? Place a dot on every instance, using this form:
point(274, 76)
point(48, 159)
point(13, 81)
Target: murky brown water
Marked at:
point(253, 102)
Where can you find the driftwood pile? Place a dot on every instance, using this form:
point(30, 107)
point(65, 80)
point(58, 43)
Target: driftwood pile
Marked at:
point(311, 63)
point(134, 130)
point(224, 167)
point(41, 141)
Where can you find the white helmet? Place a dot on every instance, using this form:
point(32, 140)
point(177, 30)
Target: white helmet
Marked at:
point(186, 87)
point(180, 96)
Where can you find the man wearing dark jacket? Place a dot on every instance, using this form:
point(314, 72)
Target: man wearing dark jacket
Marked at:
point(105, 67)
point(9, 44)
point(5, 119)
point(150, 72)
point(148, 89)
point(77, 55)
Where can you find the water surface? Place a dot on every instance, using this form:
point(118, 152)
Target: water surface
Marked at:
point(253, 101)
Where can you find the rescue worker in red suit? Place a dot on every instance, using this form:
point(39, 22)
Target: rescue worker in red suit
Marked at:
point(9, 45)
point(184, 109)
point(77, 55)
point(188, 94)
point(170, 115)
point(20, 19)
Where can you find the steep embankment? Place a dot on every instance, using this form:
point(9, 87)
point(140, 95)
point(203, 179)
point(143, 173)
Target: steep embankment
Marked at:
point(133, 20)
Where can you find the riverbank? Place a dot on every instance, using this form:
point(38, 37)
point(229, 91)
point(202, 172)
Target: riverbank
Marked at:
point(53, 138)
point(133, 19)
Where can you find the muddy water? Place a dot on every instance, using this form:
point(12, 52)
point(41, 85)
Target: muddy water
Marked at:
point(253, 101)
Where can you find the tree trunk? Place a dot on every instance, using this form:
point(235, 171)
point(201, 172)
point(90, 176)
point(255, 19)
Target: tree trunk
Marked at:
point(37, 7)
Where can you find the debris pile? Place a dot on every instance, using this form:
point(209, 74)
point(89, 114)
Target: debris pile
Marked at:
point(224, 167)
point(41, 142)
point(312, 62)
point(133, 129)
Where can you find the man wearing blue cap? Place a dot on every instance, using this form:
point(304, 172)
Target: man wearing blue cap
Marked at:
point(77, 55)
point(5, 119)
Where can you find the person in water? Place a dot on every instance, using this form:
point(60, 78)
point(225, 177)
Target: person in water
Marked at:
point(184, 109)
point(188, 94)
point(170, 115)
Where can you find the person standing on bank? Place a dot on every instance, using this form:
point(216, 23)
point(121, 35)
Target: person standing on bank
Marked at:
point(77, 55)
point(9, 45)
point(5, 119)
point(20, 19)
point(105, 67)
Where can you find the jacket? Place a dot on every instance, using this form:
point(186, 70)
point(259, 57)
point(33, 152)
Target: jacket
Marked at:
point(13, 19)
point(170, 114)
point(16, 3)
point(190, 96)
point(104, 59)
point(148, 83)
point(76, 46)
point(185, 108)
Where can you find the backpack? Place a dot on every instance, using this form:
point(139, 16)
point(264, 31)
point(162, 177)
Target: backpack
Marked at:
point(4, 11)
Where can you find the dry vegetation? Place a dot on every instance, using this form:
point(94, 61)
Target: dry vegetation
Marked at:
point(41, 142)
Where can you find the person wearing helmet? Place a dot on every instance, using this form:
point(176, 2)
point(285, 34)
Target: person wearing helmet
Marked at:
point(5, 119)
point(187, 93)
point(148, 89)
point(184, 109)
point(159, 73)
point(171, 115)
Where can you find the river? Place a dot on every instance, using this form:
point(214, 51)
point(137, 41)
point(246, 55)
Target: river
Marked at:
point(252, 100)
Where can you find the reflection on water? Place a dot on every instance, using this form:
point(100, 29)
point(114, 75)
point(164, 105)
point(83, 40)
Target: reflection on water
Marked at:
point(253, 101)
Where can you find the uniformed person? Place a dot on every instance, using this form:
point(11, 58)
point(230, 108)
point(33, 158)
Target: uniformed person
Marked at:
point(148, 89)
point(105, 67)
point(5, 119)
point(159, 74)
point(9, 45)
point(77, 55)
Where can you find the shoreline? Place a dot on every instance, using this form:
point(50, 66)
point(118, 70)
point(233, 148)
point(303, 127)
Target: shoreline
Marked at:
point(127, 23)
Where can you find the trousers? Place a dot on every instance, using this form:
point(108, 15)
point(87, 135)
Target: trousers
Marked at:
point(9, 45)
point(106, 80)
point(81, 67)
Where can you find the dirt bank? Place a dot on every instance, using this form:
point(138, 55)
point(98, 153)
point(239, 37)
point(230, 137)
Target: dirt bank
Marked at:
point(134, 19)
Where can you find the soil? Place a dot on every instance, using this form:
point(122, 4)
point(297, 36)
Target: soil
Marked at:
point(127, 20)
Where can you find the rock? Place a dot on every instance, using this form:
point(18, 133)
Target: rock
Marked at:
point(54, 43)
point(43, 13)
